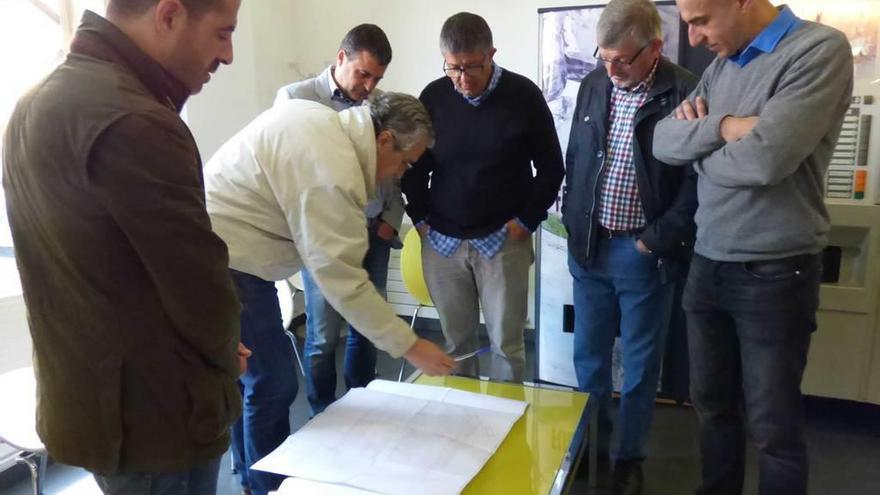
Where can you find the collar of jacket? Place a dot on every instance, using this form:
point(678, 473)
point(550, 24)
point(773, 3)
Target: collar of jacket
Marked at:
point(664, 79)
point(323, 83)
point(358, 123)
point(99, 38)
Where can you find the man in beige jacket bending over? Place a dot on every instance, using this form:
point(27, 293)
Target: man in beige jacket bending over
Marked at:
point(288, 191)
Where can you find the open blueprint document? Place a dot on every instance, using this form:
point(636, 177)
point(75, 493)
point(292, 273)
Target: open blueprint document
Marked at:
point(396, 439)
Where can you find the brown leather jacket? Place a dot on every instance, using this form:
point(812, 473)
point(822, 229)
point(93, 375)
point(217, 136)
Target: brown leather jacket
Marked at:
point(133, 316)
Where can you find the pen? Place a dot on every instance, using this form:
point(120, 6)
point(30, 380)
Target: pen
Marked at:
point(479, 351)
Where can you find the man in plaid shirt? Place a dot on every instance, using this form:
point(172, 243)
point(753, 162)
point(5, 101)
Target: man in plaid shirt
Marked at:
point(630, 223)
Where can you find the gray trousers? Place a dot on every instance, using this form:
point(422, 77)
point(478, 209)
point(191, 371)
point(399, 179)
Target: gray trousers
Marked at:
point(460, 284)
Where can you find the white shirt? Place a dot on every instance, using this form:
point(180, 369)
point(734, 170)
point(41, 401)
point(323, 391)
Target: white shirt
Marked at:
point(289, 191)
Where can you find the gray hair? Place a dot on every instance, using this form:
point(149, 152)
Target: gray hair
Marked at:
point(465, 33)
point(403, 116)
point(622, 19)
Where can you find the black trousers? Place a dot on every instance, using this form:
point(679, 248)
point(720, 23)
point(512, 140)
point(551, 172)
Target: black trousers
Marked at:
point(749, 328)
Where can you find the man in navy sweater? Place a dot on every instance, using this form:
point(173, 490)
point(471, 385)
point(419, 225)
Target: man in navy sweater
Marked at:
point(484, 201)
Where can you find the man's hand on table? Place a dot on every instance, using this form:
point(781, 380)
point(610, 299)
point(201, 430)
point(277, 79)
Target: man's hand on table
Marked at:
point(428, 357)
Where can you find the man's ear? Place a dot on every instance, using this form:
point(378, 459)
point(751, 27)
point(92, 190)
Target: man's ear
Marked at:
point(340, 57)
point(657, 45)
point(169, 14)
point(491, 54)
point(385, 138)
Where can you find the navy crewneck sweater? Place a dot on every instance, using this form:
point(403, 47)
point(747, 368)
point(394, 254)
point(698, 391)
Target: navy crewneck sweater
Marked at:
point(481, 164)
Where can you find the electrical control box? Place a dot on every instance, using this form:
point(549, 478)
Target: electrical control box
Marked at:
point(854, 172)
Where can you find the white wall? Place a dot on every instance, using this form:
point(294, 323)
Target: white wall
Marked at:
point(281, 41)
point(229, 100)
point(15, 350)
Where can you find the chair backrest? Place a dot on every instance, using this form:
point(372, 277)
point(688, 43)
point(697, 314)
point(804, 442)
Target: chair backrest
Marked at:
point(296, 280)
point(285, 302)
point(411, 268)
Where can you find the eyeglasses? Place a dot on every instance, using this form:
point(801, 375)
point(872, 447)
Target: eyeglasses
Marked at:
point(472, 70)
point(620, 63)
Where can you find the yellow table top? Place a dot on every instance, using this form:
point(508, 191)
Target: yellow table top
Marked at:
point(529, 458)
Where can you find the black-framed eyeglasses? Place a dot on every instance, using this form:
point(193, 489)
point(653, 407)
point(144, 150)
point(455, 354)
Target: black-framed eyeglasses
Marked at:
point(472, 70)
point(620, 63)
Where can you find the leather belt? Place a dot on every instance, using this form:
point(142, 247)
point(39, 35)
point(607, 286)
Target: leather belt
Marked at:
point(611, 234)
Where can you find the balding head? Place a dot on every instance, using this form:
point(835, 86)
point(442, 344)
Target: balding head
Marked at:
point(725, 26)
point(136, 8)
point(189, 38)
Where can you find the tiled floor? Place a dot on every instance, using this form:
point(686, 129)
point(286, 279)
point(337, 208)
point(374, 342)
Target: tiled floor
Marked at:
point(844, 440)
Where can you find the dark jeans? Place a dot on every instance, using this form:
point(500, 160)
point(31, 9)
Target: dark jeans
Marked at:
point(200, 480)
point(749, 327)
point(323, 326)
point(269, 386)
point(621, 291)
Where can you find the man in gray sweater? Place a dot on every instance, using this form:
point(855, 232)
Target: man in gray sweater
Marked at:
point(760, 129)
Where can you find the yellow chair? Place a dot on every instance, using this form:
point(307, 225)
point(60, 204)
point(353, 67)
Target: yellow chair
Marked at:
point(411, 269)
point(413, 277)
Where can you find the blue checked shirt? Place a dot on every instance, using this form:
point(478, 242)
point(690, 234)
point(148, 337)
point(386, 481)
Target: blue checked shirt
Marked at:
point(619, 205)
point(493, 83)
point(339, 96)
point(487, 246)
point(490, 245)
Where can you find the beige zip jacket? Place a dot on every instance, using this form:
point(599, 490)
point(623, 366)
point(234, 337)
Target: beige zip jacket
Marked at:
point(288, 191)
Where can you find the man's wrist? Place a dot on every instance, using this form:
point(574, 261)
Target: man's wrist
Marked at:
point(724, 128)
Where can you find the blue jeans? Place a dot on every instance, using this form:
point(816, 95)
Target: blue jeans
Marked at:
point(269, 386)
point(749, 327)
point(200, 480)
point(622, 291)
point(323, 326)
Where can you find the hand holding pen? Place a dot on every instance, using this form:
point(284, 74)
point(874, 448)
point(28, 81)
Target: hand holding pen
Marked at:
point(481, 350)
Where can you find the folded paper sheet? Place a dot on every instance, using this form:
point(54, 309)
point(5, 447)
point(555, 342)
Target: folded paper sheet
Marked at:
point(301, 486)
point(398, 439)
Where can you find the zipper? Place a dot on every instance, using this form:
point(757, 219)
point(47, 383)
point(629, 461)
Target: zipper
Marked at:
point(593, 202)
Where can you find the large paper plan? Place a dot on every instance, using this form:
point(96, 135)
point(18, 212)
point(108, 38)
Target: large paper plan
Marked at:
point(398, 439)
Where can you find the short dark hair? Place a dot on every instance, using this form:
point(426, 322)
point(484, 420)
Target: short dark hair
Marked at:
point(369, 38)
point(464, 33)
point(134, 8)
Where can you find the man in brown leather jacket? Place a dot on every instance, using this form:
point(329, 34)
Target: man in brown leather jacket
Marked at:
point(132, 313)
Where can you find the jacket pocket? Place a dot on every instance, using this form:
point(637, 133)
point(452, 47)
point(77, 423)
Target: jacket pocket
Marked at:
point(215, 403)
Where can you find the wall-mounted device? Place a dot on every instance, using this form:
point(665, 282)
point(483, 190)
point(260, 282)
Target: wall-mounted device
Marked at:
point(854, 172)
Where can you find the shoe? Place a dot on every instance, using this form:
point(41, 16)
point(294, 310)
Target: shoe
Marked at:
point(603, 469)
point(627, 478)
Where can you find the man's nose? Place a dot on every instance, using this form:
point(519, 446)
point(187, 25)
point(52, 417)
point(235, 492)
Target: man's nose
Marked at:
point(615, 70)
point(694, 36)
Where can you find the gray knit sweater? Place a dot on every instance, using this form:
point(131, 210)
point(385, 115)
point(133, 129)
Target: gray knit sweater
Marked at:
point(762, 197)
